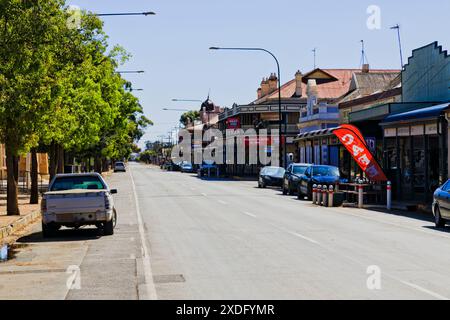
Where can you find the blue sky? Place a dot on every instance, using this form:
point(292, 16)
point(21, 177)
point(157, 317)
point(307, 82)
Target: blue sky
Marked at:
point(172, 47)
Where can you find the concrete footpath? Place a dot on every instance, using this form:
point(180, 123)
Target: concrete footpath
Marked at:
point(11, 227)
point(80, 264)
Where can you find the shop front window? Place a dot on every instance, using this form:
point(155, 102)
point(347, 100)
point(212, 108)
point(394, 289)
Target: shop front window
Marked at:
point(419, 164)
point(433, 163)
point(406, 169)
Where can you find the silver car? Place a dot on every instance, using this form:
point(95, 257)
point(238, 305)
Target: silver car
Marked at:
point(76, 200)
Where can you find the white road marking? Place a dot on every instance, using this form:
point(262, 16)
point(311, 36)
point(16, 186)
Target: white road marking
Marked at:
point(295, 234)
point(431, 293)
point(249, 214)
point(204, 194)
point(148, 275)
point(221, 202)
point(303, 237)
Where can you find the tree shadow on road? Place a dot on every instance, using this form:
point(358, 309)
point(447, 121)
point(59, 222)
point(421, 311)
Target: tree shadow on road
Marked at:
point(444, 229)
point(64, 235)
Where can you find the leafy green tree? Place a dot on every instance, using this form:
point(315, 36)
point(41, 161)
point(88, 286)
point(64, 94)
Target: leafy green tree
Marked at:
point(189, 117)
point(27, 31)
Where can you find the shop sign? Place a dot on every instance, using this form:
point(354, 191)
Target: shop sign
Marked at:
point(354, 142)
point(403, 132)
point(431, 128)
point(270, 116)
point(417, 130)
point(390, 132)
point(233, 123)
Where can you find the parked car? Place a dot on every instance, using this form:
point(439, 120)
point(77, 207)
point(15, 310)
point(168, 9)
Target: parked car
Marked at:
point(119, 166)
point(76, 200)
point(187, 167)
point(206, 167)
point(317, 174)
point(271, 176)
point(441, 205)
point(292, 177)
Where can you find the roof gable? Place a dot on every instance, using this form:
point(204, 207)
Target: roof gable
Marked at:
point(321, 76)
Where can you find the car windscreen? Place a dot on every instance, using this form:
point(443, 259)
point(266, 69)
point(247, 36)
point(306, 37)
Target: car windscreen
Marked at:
point(271, 171)
point(325, 171)
point(73, 183)
point(121, 164)
point(299, 169)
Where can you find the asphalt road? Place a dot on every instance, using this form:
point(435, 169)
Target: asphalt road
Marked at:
point(181, 237)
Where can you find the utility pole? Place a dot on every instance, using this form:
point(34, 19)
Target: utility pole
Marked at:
point(314, 51)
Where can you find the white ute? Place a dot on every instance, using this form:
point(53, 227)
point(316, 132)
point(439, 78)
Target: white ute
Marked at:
point(76, 200)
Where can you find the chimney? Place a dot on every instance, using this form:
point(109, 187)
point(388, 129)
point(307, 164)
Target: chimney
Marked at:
point(298, 84)
point(313, 95)
point(273, 83)
point(259, 93)
point(265, 88)
point(365, 68)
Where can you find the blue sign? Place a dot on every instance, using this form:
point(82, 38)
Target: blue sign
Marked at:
point(371, 144)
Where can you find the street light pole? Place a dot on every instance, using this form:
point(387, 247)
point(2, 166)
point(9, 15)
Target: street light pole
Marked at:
point(138, 71)
point(282, 163)
point(170, 109)
point(148, 13)
point(186, 100)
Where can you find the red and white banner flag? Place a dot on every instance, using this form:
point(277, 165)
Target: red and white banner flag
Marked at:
point(354, 142)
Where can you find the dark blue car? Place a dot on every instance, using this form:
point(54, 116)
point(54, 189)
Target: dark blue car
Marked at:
point(317, 174)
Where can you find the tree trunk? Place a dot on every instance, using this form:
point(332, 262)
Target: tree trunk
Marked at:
point(12, 165)
point(53, 161)
point(34, 198)
point(98, 165)
point(60, 152)
point(105, 165)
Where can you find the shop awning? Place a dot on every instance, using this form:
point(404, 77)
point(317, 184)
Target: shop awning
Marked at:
point(422, 114)
point(316, 133)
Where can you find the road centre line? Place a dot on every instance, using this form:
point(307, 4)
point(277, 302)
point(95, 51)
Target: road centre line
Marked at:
point(249, 214)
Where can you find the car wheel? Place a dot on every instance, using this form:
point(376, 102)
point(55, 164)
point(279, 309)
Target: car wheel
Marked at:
point(49, 231)
point(285, 192)
point(300, 195)
point(440, 223)
point(263, 185)
point(309, 195)
point(291, 192)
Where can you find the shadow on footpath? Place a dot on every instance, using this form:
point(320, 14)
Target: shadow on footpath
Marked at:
point(65, 235)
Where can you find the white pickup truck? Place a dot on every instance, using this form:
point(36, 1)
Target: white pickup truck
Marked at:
point(76, 200)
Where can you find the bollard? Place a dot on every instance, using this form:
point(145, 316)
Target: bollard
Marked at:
point(389, 195)
point(325, 196)
point(314, 194)
point(330, 196)
point(319, 195)
point(360, 196)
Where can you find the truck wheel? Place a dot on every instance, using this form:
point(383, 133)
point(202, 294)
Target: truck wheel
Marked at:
point(108, 227)
point(48, 231)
